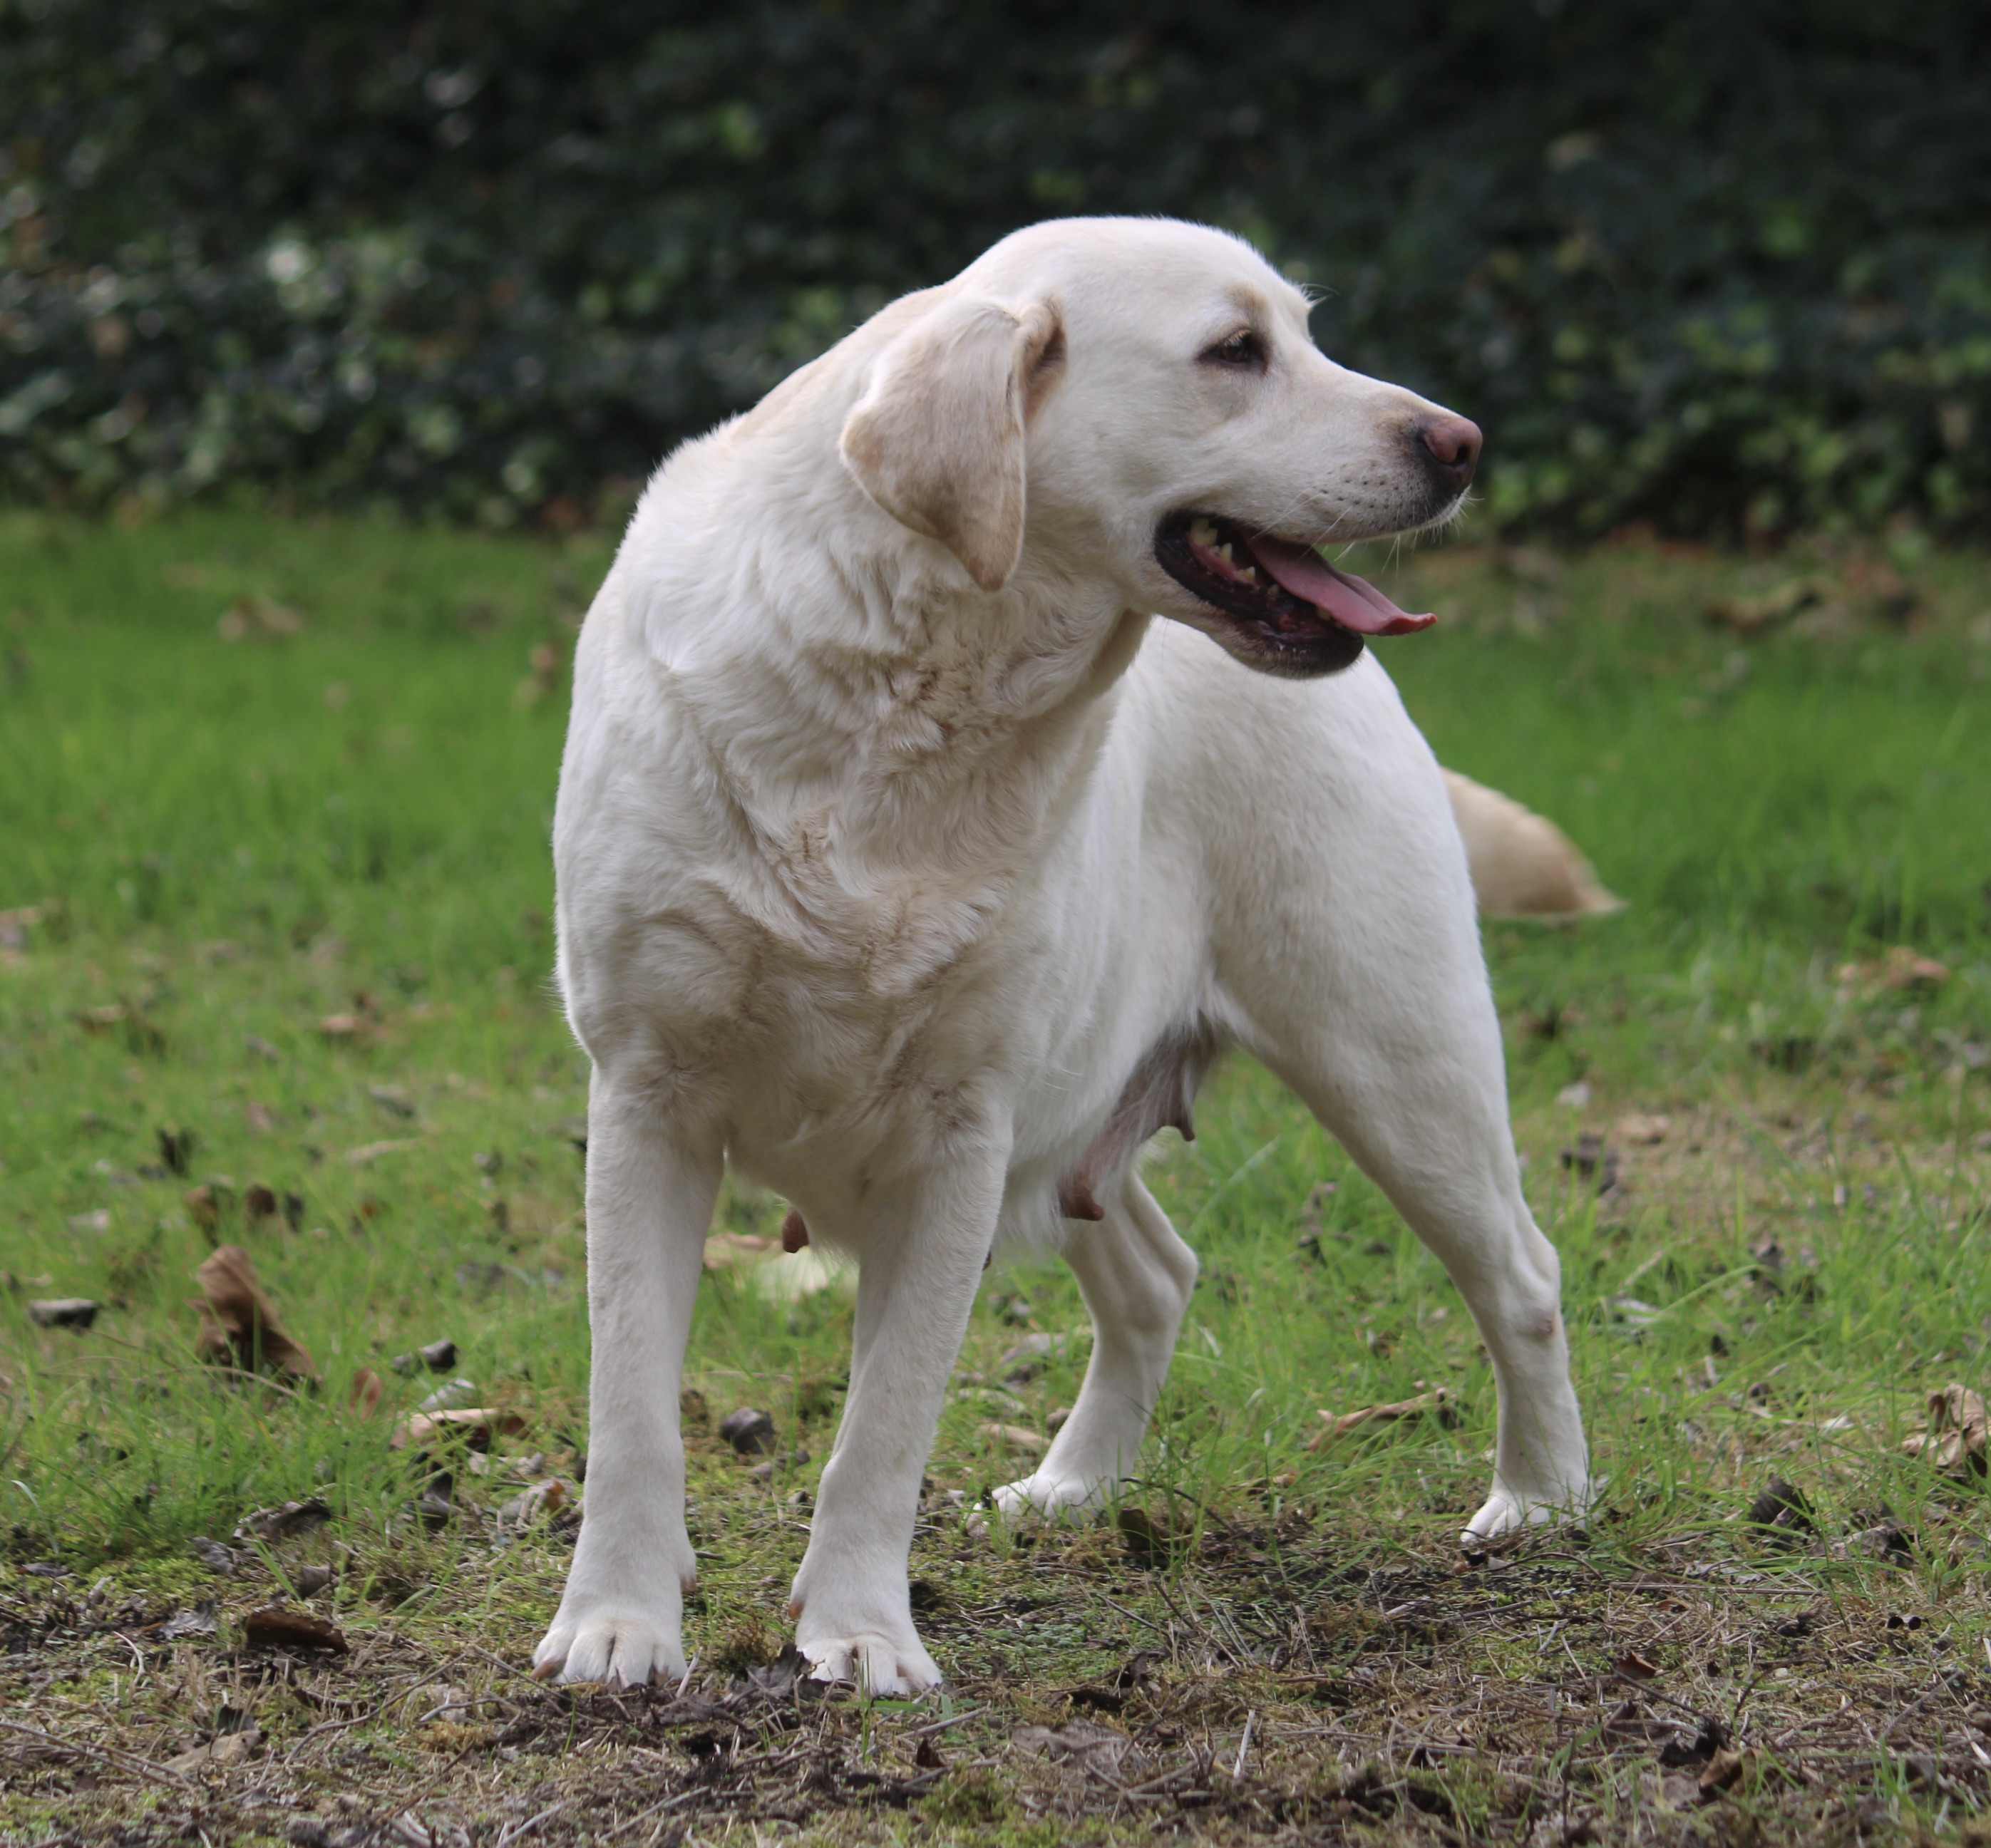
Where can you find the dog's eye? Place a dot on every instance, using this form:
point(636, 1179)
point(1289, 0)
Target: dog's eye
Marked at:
point(1243, 348)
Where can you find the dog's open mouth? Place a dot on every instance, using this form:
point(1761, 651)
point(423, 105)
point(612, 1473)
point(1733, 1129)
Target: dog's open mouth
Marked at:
point(1286, 607)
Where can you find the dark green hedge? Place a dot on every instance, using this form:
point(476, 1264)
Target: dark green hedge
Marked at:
point(1718, 265)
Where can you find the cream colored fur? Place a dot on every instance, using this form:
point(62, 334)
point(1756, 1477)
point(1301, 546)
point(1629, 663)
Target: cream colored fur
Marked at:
point(1522, 865)
point(897, 838)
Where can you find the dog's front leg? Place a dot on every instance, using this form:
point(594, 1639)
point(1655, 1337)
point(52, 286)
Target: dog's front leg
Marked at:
point(923, 1250)
point(650, 1196)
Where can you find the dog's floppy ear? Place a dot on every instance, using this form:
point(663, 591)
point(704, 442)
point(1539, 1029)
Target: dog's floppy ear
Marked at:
point(936, 440)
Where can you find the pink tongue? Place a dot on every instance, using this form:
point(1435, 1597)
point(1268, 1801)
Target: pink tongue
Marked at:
point(1353, 602)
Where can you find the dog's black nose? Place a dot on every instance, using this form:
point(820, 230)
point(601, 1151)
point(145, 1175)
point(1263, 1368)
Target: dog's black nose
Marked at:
point(1453, 444)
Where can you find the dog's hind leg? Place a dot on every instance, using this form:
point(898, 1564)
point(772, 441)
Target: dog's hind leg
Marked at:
point(649, 1202)
point(1416, 1092)
point(1136, 1275)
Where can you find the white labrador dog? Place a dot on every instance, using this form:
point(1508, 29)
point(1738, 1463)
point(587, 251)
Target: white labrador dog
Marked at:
point(908, 863)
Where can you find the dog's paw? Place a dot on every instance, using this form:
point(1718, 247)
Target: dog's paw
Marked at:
point(1508, 1509)
point(883, 1667)
point(624, 1647)
point(1055, 1497)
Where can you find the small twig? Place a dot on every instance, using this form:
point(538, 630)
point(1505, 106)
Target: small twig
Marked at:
point(1245, 1743)
point(519, 1830)
point(655, 1809)
point(130, 1760)
point(967, 1713)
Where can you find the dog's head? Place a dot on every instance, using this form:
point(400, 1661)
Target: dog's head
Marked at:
point(1141, 398)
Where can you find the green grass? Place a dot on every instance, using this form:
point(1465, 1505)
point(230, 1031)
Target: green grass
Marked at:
point(228, 842)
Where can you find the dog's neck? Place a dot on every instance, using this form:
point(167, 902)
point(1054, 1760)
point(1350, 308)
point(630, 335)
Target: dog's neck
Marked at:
point(881, 732)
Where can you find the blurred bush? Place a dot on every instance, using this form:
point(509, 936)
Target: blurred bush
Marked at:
point(1720, 265)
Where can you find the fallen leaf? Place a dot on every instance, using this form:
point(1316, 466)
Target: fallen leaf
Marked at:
point(765, 1473)
point(213, 1554)
point(1634, 1667)
point(368, 1388)
point(725, 1250)
point(749, 1431)
point(438, 1356)
point(14, 926)
point(1440, 1401)
point(204, 1204)
point(222, 1753)
point(1145, 1539)
point(239, 1325)
point(1752, 615)
point(1593, 1160)
point(1076, 1739)
point(437, 1503)
point(176, 1149)
point(1781, 1510)
point(184, 1624)
point(1724, 1770)
point(272, 1526)
point(548, 1497)
point(1954, 1439)
point(1025, 1360)
point(64, 1311)
point(1643, 1130)
point(1014, 1437)
point(475, 1425)
point(284, 1627)
point(370, 1152)
point(1901, 967)
point(260, 1202)
point(259, 619)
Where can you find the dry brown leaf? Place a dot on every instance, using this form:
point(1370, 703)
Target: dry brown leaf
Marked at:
point(239, 1324)
point(272, 1526)
point(1440, 1401)
point(221, 1753)
point(259, 619)
point(1013, 1437)
point(475, 1425)
point(1901, 967)
point(1752, 615)
point(368, 1387)
point(283, 1627)
point(724, 1250)
point(1955, 1435)
point(1725, 1768)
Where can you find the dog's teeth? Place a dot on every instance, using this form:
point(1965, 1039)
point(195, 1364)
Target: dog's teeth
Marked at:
point(1203, 533)
point(1249, 575)
point(1223, 552)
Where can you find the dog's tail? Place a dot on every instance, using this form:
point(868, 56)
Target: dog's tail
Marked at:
point(1523, 866)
